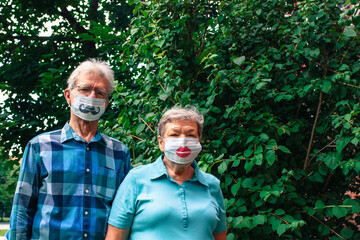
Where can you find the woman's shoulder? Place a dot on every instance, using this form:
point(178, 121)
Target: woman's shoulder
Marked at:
point(209, 179)
point(142, 170)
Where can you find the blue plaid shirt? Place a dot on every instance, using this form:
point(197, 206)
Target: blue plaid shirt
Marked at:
point(66, 186)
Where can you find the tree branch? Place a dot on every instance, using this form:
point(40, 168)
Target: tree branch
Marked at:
point(74, 24)
point(57, 38)
point(313, 132)
point(317, 113)
point(89, 47)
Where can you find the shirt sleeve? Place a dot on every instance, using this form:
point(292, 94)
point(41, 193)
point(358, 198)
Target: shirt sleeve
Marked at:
point(221, 210)
point(125, 167)
point(26, 196)
point(123, 208)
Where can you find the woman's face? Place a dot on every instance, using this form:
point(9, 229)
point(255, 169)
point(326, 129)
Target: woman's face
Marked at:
point(179, 129)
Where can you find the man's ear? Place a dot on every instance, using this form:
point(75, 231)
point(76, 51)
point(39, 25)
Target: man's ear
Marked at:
point(67, 95)
point(161, 142)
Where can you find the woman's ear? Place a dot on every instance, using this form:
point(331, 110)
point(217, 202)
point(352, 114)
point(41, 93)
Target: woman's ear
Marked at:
point(161, 142)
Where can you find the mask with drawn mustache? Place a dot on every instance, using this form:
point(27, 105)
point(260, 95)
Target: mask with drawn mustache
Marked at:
point(87, 108)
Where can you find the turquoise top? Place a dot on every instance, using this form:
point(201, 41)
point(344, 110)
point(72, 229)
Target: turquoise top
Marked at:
point(154, 206)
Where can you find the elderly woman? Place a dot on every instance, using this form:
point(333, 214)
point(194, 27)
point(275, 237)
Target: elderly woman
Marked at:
point(170, 198)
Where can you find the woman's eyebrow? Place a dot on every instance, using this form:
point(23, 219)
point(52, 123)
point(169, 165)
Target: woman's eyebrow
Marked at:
point(191, 131)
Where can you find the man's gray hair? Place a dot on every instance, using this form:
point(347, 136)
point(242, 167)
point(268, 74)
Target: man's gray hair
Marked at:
point(93, 66)
point(181, 113)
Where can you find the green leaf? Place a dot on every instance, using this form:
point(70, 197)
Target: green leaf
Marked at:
point(323, 229)
point(310, 210)
point(160, 43)
point(248, 152)
point(259, 219)
point(140, 128)
point(326, 87)
point(347, 233)
point(222, 167)
point(349, 33)
point(355, 203)
point(265, 195)
point(339, 212)
point(271, 144)
point(258, 159)
point(235, 188)
point(248, 166)
point(270, 157)
point(239, 60)
point(134, 30)
point(284, 149)
point(319, 204)
point(247, 183)
point(250, 139)
point(264, 137)
point(341, 143)
point(164, 96)
point(331, 161)
point(279, 212)
point(281, 229)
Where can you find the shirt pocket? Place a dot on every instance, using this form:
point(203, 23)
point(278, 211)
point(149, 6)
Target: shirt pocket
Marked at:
point(106, 183)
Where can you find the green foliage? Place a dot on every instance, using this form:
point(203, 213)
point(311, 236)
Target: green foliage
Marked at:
point(277, 82)
point(8, 178)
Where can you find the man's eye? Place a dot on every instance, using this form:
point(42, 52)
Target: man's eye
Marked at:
point(84, 89)
point(100, 94)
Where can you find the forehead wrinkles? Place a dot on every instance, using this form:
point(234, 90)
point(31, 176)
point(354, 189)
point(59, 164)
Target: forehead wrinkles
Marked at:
point(180, 128)
point(92, 79)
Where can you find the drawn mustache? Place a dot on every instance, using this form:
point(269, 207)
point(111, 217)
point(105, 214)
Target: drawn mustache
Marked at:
point(87, 108)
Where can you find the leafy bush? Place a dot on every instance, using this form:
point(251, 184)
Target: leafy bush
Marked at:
point(276, 81)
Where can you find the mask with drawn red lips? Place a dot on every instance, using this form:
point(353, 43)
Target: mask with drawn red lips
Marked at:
point(182, 150)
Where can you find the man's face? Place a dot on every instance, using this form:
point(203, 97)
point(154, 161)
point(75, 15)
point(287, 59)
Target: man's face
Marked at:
point(91, 85)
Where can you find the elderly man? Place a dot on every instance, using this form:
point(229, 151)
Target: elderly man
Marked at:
point(68, 177)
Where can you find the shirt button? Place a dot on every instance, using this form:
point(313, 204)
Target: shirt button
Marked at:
point(87, 148)
point(86, 212)
point(87, 170)
point(85, 235)
point(87, 191)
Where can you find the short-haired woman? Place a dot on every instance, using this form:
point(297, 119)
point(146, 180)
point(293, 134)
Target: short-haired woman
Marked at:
point(170, 198)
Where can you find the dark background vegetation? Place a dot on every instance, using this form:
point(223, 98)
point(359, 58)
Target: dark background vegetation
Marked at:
point(277, 80)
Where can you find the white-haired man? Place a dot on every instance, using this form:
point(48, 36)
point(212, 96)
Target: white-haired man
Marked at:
point(68, 177)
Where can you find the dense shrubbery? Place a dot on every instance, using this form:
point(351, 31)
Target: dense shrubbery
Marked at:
point(277, 82)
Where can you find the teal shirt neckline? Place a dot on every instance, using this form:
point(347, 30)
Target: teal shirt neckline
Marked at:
point(160, 170)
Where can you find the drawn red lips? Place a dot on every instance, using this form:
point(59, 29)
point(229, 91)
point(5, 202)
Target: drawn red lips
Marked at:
point(183, 152)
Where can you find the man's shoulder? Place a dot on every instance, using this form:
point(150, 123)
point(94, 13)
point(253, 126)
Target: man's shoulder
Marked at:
point(46, 137)
point(114, 143)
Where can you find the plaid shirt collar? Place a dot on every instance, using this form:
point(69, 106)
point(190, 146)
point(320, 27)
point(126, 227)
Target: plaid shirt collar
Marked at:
point(67, 133)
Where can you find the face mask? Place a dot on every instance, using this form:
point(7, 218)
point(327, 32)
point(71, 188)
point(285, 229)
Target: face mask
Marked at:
point(87, 108)
point(182, 150)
